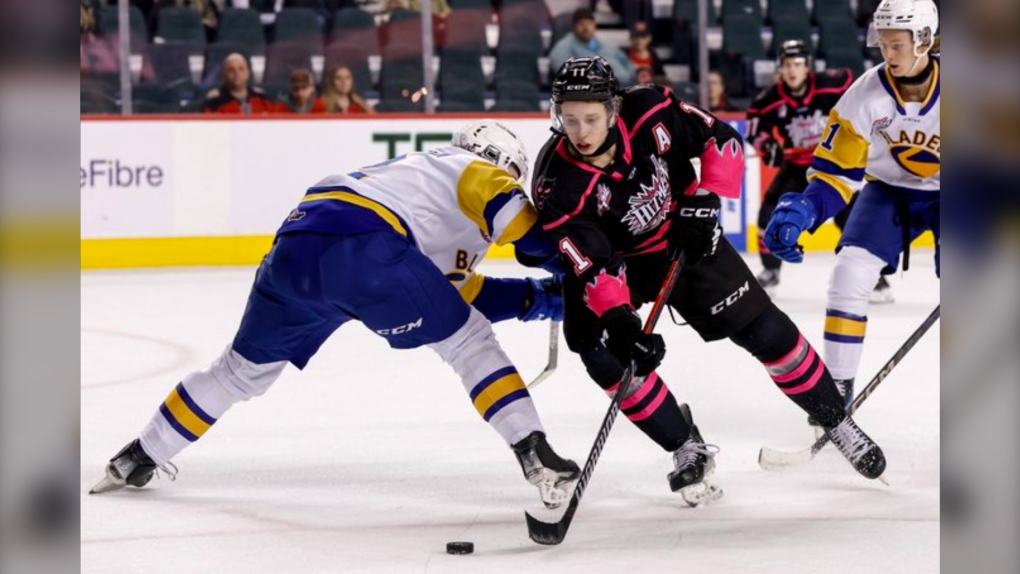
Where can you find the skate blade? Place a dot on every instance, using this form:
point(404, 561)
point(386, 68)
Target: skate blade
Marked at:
point(106, 485)
point(553, 493)
point(701, 493)
point(881, 298)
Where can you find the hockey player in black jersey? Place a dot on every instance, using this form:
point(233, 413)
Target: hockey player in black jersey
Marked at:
point(784, 124)
point(616, 189)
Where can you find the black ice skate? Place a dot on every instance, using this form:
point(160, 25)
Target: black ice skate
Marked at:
point(858, 448)
point(769, 281)
point(846, 390)
point(882, 293)
point(693, 475)
point(554, 476)
point(130, 467)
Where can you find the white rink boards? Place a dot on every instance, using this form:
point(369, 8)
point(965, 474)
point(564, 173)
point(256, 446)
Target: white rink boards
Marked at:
point(371, 459)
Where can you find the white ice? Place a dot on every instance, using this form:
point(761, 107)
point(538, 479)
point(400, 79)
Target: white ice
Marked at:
point(372, 459)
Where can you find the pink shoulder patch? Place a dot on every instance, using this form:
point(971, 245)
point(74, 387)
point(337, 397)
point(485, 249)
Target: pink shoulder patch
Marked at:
point(722, 167)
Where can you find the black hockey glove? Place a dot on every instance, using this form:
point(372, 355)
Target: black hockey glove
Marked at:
point(772, 153)
point(696, 228)
point(628, 342)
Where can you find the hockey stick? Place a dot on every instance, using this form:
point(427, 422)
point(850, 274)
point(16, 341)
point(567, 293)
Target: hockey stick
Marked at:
point(552, 533)
point(554, 351)
point(773, 459)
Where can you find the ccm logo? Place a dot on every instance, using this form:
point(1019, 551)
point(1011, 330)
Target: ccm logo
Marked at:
point(401, 329)
point(733, 298)
point(699, 212)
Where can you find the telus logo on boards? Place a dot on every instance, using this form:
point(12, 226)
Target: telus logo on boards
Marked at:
point(115, 174)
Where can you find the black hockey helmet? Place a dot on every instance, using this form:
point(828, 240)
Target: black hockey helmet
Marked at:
point(793, 49)
point(585, 80)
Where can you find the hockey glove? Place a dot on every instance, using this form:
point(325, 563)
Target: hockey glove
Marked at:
point(772, 153)
point(794, 214)
point(545, 302)
point(627, 342)
point(696, 228)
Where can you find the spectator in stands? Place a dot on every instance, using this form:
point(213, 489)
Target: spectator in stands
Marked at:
point(581, 42)
point(87, 23)
point(339, 95)
point(235, 96)
point(717, 101)
point(208, 9)
point(641, 54)
point(301, 98)
point(644, 76)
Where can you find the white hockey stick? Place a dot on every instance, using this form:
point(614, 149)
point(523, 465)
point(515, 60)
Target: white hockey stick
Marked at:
point(773, 459)
point(554, 351)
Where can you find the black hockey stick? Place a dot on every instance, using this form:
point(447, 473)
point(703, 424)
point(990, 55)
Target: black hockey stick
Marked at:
point(554, 349)
point(772, 459)
point(552, 533)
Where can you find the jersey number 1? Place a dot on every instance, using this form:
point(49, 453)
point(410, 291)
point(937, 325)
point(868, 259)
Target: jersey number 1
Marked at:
point(833, 130)
point(581, 263)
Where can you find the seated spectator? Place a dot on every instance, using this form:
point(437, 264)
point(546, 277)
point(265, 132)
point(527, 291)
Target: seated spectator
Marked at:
point(641, 54)
point(339, 95)
point(208, 9)
point(87, 23)
point(717, 101)
point(581, 43)
point(644, 76)
point(235, 96)
point(301, 98)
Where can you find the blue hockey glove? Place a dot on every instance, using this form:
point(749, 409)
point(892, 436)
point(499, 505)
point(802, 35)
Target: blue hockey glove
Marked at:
point(794, 214)
point(546, 300)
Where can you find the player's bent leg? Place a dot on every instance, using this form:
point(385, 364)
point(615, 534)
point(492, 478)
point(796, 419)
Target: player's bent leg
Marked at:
point(652, 408)
point(188, 412)
point(502, 399)
point(801, 374)
point(846, 315)
point(793, 364)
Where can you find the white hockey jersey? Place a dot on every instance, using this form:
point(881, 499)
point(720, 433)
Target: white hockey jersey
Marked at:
point(873, 134)
point(449, 202)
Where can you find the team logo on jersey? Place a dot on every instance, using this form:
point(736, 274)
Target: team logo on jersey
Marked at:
point(542, 190)
point(917, 153)
point(915, 160)
point(881, 124)
point(806, 131)
point(296, 215)
point(602, 197)
point(650, 207)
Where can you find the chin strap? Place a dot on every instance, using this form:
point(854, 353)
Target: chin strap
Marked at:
point(610, 141)
point(922, 77)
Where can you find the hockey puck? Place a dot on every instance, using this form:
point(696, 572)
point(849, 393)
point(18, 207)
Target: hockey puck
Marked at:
point(460, 547)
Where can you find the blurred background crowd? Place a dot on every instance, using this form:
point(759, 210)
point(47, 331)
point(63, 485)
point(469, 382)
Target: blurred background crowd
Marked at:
point(365, 56)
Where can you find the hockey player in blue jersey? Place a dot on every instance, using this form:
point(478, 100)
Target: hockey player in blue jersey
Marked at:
point(394, 246)
point(884, 139)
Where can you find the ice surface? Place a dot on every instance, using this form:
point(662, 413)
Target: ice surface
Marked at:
point(372, 459)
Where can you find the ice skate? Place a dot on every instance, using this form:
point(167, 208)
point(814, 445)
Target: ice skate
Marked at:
point(693, 475)
point(769, 281)
point(858, 448)
point(882, 293)
point(130, 467)
point(846, 389)
point(543, 468)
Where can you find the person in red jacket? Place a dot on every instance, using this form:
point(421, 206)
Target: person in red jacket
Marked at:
point(235, 96)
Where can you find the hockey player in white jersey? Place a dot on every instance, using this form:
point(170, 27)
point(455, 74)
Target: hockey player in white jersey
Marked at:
point(393, 245)
point(884, 138)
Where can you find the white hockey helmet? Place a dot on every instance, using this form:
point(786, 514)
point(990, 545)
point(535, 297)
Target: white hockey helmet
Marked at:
point(494, 142)
point(919, 17)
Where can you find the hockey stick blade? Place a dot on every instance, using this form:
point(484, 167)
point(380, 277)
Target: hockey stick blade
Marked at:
point(774, 459)
point(554, 345)
point(552, 533)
